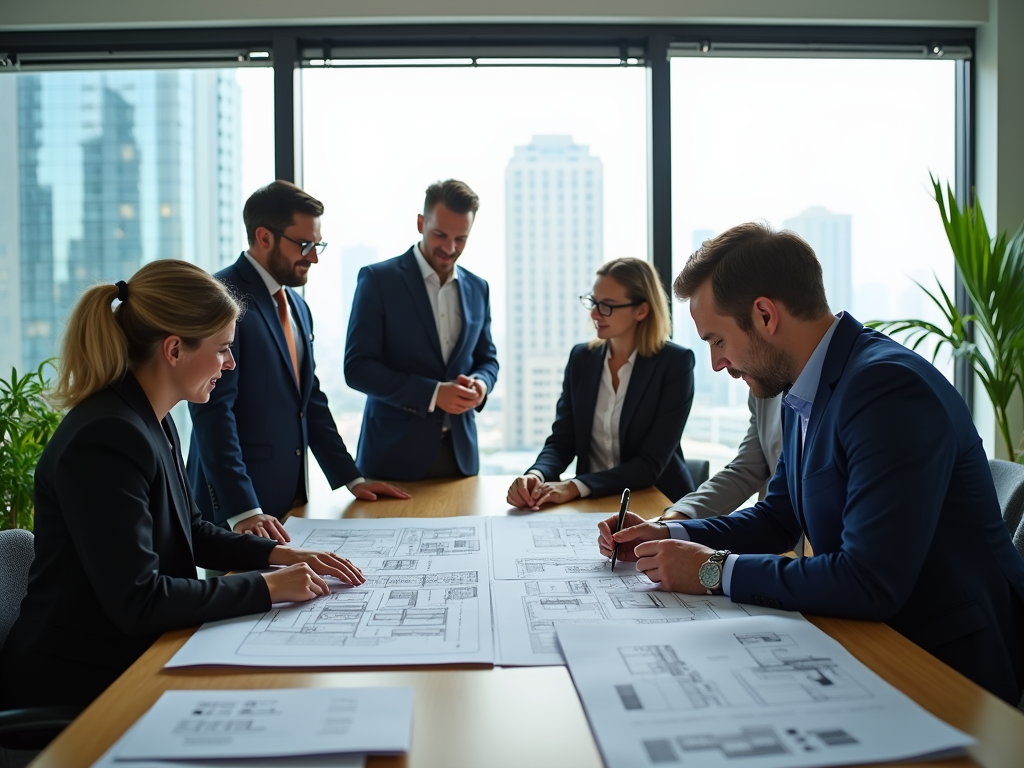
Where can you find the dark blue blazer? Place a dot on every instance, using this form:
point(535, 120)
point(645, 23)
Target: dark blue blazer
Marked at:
point(393, 354)
point(654, 413)
point(249, 441)
point(895, 494)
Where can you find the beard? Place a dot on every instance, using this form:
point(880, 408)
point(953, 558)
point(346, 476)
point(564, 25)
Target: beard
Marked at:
point(769, 372)
point(283, 270)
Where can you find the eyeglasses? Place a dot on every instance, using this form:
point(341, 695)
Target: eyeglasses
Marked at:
point(604, 309)
point(306, 245)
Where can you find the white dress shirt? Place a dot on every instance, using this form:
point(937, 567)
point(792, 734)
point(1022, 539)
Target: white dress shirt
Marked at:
point(300, 353)
point(447, 308)
point(604, 433)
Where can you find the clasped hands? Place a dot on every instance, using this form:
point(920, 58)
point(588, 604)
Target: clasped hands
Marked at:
point(529, 492)
point(671, 563)
point(461, 395)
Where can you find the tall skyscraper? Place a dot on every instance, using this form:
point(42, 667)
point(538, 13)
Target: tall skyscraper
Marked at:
point(554, 243)
point(829, 235)
point(111, 170)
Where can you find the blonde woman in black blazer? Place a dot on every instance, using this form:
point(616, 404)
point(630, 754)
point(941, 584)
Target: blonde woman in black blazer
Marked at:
point(117, 533)
point(625, 399)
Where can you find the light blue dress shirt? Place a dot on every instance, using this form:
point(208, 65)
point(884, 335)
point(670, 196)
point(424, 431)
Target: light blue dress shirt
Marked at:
point(800, 398)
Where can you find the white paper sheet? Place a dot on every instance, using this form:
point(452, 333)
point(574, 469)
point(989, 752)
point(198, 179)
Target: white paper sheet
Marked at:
point(760, 692)
point(525, 611)
point(108, 760)
point(212, 724)
point(426, 600)
point(549, 545)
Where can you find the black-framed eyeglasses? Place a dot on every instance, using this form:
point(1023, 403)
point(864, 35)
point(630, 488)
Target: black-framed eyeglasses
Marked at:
point(306, 245)
point(604, 309)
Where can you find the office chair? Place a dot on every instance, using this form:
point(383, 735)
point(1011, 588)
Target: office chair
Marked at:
point(700, 471)
point(1009, 480)
point(31, 728)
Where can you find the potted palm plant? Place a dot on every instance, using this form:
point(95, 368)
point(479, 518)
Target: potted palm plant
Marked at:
point(27, 422)
point(992, 272)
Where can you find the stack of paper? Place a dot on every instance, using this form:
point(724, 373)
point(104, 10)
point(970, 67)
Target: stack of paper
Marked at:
point(304, 728)
point(774, 691)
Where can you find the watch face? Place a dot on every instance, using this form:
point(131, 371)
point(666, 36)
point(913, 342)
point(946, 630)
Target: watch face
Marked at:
point(710, 574)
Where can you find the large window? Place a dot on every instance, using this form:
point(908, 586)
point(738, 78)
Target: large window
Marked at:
point(113, 169)
point(558, 157)
point(838, 151)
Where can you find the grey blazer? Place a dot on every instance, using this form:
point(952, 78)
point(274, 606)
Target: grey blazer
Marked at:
point(746, 474)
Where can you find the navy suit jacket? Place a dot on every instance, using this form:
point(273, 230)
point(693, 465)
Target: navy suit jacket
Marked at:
point(393, 354)
point(654, 413)
point(117, 541)
point(249, 441)
point(895, 494)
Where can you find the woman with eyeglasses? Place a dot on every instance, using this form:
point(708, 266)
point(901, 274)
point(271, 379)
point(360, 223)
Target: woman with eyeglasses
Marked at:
point(625, 399)
point(117, 532)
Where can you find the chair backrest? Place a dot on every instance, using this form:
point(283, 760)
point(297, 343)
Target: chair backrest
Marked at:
point(700, 471)
point(1009, 480)
point(16, 553)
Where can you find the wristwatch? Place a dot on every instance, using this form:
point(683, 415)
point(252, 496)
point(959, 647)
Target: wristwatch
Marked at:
point(710, 574)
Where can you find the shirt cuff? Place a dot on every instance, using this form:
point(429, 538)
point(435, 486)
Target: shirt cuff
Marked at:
point(677, 530)
point(233, 521)
point(581, 487)
point(730, 563)
point(353, 483)
point(433, 400)
point(536, 473)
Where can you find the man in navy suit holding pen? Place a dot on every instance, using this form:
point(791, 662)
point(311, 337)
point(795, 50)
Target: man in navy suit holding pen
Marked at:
point(247, 459)
point(419, 345)
point(881, 468)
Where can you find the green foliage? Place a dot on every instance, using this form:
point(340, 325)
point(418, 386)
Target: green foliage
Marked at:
point(992, 272)
point(27, 422)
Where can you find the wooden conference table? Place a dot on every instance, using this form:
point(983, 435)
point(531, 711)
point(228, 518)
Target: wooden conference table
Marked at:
point(481, 716)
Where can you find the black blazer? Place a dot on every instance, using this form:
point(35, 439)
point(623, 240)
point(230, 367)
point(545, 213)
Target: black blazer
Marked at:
point(654, 413)
point(117, 541)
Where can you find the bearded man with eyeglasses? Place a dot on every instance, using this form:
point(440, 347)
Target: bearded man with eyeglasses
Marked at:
point(247, 461)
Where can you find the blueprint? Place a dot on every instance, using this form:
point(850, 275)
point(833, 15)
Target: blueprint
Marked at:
point(760, 692)
point(550, 546)
point(525, 612)
point(426, 600)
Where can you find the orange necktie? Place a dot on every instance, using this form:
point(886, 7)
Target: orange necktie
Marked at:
point(286, 324)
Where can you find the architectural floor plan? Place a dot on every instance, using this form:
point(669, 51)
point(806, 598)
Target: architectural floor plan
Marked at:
point(426, 600)
point(550, 546)
point(761, 692)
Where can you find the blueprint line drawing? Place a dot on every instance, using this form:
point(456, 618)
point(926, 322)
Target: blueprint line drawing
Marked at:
point(426, 599)
point(550, 546)
point(764, 691)
point(525, 612)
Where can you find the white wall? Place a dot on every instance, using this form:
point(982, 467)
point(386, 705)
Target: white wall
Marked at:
point(79, 14)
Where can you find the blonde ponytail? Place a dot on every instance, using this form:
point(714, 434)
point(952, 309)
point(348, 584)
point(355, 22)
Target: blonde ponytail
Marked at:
point(164, 298)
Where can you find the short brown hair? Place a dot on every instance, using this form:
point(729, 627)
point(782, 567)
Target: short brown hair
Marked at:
point(754, 260)
point(641, 282)
point(274, 207)
point(456, 196)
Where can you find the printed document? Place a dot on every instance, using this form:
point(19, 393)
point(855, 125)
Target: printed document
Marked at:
point(759, 692)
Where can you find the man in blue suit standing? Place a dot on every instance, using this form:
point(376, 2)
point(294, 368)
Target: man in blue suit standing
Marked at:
point(247, 458)
point(881, 467)
point(419, 345)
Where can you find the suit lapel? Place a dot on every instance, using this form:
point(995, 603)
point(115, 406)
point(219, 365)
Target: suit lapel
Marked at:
point(260, 297)
point(418, 292)
point(794, 460)
point(174, 476)
point(839, 348)
point(466, 307)
point(586, 397)
point(639, 379)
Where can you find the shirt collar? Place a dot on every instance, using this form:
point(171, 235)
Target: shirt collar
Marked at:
point(629, 360)
point(272, 285)
point(801, 395)
point(428, 271)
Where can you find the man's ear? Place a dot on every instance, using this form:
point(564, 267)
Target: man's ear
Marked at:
point(765, 314)
point(419, 223)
